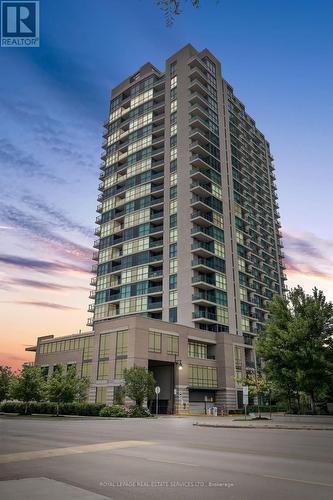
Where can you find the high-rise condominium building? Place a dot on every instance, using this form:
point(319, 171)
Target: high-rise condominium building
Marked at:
point(188, 233)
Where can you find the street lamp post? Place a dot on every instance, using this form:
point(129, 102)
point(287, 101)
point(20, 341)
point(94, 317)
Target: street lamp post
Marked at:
point(270, 400)
point(178, 366)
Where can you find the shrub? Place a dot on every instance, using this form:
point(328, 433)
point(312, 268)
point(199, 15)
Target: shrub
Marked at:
point(47, 408)
point(113, 411)
point(137, 411)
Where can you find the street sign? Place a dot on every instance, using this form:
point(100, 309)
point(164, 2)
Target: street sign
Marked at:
point(157, 389)
point(245, 395)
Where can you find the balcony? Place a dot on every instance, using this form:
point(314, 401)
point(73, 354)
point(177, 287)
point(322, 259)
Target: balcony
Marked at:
point(155, 274)
point(204, 316)
point(203, 296)
point(204, 281)
point(91, 308)
point(90, 322)
point(215, 264)
point(156, 243)
point(155, 305)
point(209, 201)
point(154, 289)
point(248, 339)
point(156, 258)
point(95, 255)
point(205, 218)
point(202, 249)
point(92, 294)
point(196, 173)
point(202, 233)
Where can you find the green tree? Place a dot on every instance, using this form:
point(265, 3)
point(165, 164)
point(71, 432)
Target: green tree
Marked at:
point(139, 384)
point(119, 395)
point(66, 387)
point(296, 345)
point(6, 378)
point(28, 386)
point(258, 386)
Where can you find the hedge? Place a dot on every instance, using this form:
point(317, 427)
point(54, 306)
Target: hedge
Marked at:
point(254, 409)
point(45, 407)
point(113, 411)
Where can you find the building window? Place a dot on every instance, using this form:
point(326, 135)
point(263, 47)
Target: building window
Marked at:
point(173, 250)
point(173, 220)
point(154, 342)
point(103, 370)
point(173, 315)
point(173, 235)
point(173, 266)
point(202, 376)
point(120, 366)
point(173, 68)
point(238, 357)
point(86, 370)
point(222, 315)
point(173, 151)
point(173, 178)
point(173, 281)
point(121, 343)
point(243, 293)
point(173, 298)
point(172, 344)
point(100, 395)
point(173, 207)
point(173, 192)
point(245, 324)
point(197, 350)
point(173, 166)
point(88, 344)
point(45, 371)
point(104, 345)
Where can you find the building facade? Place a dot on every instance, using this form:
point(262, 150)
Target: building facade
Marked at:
point(188, 228)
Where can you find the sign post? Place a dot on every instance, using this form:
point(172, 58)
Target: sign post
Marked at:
point(245, 397)
point(157, 391)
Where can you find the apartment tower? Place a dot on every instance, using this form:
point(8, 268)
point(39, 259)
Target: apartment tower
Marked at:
point(189, 239)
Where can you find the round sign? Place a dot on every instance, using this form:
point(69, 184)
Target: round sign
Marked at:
point(157, 389)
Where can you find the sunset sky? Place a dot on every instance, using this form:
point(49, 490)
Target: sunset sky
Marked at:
point(54, 100)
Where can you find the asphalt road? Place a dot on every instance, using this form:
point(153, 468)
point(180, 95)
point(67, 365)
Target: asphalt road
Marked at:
point(168, 458)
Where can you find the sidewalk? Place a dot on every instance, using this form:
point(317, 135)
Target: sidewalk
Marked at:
point(306, 422)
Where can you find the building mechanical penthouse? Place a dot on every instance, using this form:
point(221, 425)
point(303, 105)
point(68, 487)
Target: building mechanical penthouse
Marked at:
point(189, 241)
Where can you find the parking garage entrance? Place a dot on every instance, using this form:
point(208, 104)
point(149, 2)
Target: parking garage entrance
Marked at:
point(164, 376)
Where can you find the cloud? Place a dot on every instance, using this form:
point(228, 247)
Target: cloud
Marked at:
point(41, 266)
point(308, 256)
point(40, 230)
point(42, 285)
point(24, 163)
point(305, 270)
point(307, 245)
point(57, 216)
point(8, 356)
point(53, 133)
point(73, 76)
point(50, 305)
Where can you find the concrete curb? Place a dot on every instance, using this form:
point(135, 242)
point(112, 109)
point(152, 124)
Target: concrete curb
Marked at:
point(269, 427)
